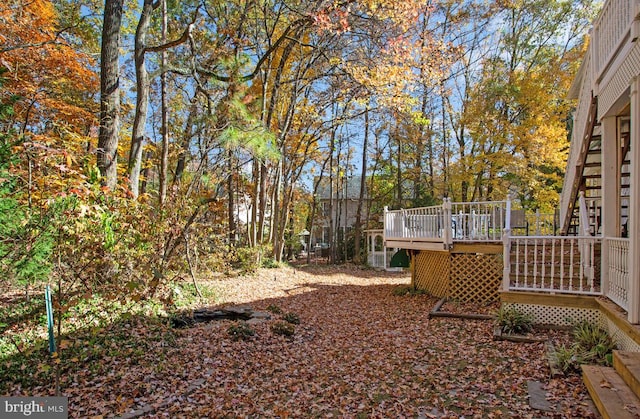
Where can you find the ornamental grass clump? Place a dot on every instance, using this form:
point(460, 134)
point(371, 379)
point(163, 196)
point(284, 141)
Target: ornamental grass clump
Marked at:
point(592, 345)
point(240, 331)
point(593, 342)
point(513, 321)
point(283, 328)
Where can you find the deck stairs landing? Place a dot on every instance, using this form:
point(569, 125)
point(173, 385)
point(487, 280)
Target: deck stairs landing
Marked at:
point(615, 390)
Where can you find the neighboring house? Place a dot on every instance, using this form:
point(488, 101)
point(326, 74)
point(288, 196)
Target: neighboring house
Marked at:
point(337, 208)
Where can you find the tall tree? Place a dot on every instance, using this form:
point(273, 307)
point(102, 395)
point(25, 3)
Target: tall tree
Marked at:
point(107, 153)
point(142, 96)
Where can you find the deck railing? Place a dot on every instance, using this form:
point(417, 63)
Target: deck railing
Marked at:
point(567, 264)
point(478, 220)
point(617, 266)
point(612, 27)
point(461, 221)
point(426, 224)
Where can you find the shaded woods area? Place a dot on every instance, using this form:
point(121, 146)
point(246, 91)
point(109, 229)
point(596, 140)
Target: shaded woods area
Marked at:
point(359, 350)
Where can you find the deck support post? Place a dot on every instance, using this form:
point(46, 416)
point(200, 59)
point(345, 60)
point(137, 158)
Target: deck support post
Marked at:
point(610, 213)
point(446, 213)
point(634, 206)
point(506, 251)
point(506, 259)
point(507, 216)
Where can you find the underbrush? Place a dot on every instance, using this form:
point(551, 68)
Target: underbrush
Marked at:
point(91, 329)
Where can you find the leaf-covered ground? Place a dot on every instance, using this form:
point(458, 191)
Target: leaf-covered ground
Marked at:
point(359, 351)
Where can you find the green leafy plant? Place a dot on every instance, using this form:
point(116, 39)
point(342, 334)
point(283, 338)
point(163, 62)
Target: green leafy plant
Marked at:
point(592, 345)
point(593, 342)
point(270, 263)
point(513, 321)
point(567, 358)
point(185, 294)
point(274, 309)
point(245, 259)
point(283, 328)
point(292, 318)
point(241, 331)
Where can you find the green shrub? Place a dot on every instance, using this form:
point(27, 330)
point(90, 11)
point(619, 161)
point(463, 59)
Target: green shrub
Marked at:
point(283, 328)
point(593, 342)
point(274, 309)
point(513, 321)
point(567, 358)
point(592, 345)
point(186, 295)
point(292, 318)
point(240, 331)
point(270, 263)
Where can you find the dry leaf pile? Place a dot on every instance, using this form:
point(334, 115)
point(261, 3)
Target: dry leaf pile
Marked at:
point(359, 351)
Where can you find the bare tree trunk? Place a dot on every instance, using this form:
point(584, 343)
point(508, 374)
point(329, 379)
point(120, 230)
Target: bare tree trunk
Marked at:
point(399, 166)
point(332, 241)
point(253, 222)
point(107, 154)
point(164, 154)
point(146, 172)
point(186, 140)
point(231, 198)
point(142, 98)
point(363, 183)
point(314, 205)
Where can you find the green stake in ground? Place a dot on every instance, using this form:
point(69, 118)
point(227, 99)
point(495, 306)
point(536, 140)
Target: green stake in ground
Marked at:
point(47, 300)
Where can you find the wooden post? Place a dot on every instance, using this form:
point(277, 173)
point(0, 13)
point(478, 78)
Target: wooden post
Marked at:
point(610, 204)
point(385, 221)
point(446, 234)
point(634, 207)
point(507, 216)
point(584, 216)
point(506, 259)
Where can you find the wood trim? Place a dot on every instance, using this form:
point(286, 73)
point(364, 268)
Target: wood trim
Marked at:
point(416, 245)
point(485, 248)
point(605, 306)
point(553, 300)
point(619, 318)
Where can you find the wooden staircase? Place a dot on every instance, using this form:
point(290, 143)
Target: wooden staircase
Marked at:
point(590, 182)
point(615, 390)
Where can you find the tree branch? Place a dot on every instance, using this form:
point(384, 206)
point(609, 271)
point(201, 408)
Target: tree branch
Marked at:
point(183, 38)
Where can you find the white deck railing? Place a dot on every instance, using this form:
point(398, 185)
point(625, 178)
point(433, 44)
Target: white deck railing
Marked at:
point(611, 28)
point(478, 220)
point(618, 271)
point(427, 223)
point(552, 264)
point(461, 221)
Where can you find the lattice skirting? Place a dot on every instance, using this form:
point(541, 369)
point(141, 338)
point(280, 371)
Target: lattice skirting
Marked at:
point(624, 341)
point(567, 316)
point(557, 315)
point(465, 277)
point(431, 273)
point(475, 277)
